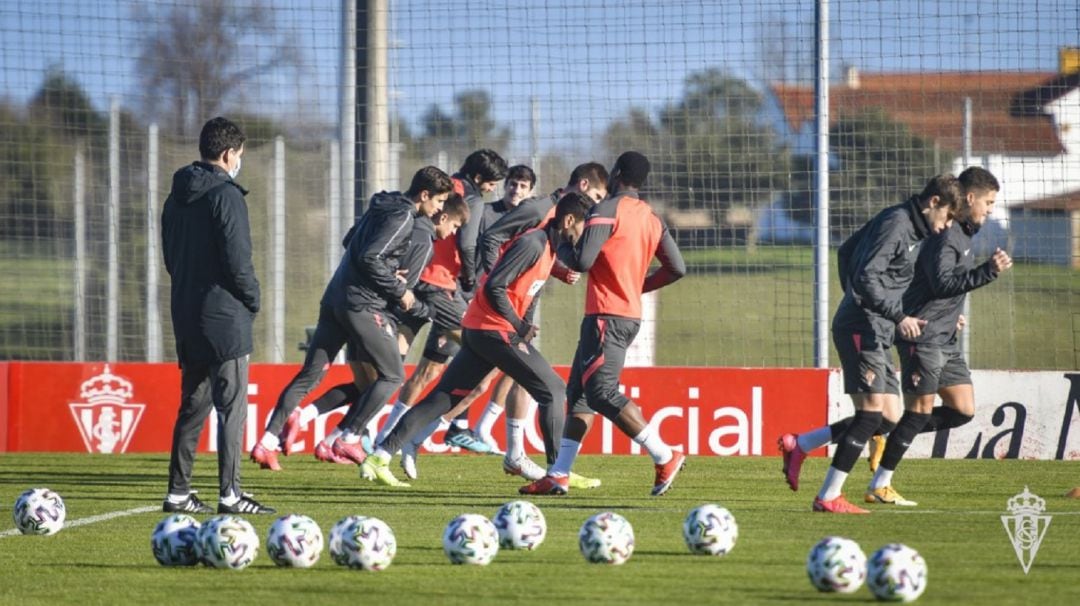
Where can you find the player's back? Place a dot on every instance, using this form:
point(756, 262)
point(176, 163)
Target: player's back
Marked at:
point(618, 274)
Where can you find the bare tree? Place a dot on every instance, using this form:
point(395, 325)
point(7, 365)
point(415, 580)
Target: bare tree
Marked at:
point(193, 57)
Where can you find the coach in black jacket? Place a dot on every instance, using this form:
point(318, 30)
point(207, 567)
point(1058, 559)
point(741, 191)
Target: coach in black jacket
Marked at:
point(206, 241)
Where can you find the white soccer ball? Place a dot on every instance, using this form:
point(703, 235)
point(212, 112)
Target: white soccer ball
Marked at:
point(521, 525)
point(470, 538)
point(896, 573)
point(836, 564)
point(363, 543)
point(228, 541)
point(39, 511)
point(174, 540)
point(606, 538)
point(710, 530)
point(295, 541)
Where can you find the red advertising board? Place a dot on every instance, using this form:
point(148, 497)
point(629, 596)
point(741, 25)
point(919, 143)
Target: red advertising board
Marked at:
point(130, 407)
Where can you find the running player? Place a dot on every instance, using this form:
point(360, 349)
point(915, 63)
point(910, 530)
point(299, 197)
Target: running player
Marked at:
point(863, 329)
point(354, 309)
point(622, 235)
point(498, 334)
point(931, 364)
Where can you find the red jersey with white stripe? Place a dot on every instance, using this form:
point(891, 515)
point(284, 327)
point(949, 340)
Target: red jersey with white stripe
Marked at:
point(509, 290)
point(445, 265)
point(623, 234)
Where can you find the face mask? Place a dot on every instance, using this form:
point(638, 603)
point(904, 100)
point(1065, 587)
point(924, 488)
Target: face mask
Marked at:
point(236, 171)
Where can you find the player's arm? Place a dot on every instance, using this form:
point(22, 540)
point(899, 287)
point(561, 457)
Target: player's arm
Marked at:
point(524, 216)
point(371, 256)
point(412, 264)
point(599, 225)
point(883, 243)
point(521, 255)
point(942, 273)
point(467, 237)
point(846, 253)
point(233, 233)
point(672, 266)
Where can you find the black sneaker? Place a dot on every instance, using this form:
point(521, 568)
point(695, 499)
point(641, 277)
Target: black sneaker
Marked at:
point(246, 504)
point(190, 505)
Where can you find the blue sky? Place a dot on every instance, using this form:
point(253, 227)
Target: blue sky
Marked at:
point(587, 60)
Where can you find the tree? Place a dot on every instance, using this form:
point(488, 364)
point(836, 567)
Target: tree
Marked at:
point(195, 56)
point(62, 103)
point(470, 127)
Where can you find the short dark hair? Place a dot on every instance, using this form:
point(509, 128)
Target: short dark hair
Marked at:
point(485, 164)
point(631, 169)
point(977, 178)
point(520, 172)
point(593, 171)
point(218, 135)
point(946, 187)
point(430, 179)
point(455, 207)
point(573, 203)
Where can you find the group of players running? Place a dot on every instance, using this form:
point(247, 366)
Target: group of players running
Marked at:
point(438, 254)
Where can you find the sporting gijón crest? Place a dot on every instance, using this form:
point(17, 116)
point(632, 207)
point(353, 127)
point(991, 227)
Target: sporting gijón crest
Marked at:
point(106, 417)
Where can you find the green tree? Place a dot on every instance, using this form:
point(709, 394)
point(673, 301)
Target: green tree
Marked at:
point(471, 126)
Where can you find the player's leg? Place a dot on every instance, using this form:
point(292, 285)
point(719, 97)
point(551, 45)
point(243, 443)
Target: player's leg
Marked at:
point(461, 435)
point(867, 364)
point(408, 328)
point(957, 394)
point(228, 391)
point(195, 406)
point(328, 339)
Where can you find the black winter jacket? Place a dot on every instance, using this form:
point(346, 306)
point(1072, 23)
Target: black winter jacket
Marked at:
point(206, 240)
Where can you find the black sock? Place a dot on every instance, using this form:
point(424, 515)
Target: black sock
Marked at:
point(854, 439)
point(944, 417)
point(838, 429)
point(900, 438)
point(885, 428)
point(336, 397)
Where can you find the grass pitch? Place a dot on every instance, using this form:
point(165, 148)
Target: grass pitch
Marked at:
point(957, 528)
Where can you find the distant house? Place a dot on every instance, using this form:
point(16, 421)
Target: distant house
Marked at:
point(1025, 126)
point(1048, 230)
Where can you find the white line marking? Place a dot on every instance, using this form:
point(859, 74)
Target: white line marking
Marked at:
point(92, 519)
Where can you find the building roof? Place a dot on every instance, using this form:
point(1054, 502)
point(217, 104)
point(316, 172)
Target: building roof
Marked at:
point(932, 105)
point(1068, 201)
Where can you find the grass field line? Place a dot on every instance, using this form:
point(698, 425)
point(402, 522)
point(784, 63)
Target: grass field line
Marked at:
point(93, 519)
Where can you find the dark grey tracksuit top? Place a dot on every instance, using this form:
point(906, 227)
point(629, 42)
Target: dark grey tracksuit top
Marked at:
point(882, 266)
point(366, 277)
point(944, 273)
point(517, 220)
point(416, 257)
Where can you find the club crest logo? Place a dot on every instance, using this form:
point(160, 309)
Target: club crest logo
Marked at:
point(1026, 526)
point(105, 416)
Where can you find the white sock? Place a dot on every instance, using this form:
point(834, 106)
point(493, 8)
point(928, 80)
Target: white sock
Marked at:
point(396, 412)
point(650, 440)
point(487, 419)
point(815, 438)
point(568, 450)
point(382, 454)
point(230, 500)
point(834, 484)
point(350, 437)
point(515, 438)
point(460, 423)
point(333, 435)
point(882, 478)
point(177, 499)
point(308, 414)
point(269, 441)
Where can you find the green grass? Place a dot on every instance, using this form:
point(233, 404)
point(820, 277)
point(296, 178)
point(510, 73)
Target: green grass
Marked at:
point(956, 528)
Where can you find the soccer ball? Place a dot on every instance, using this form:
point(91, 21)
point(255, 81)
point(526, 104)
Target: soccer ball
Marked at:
point(39, 511)
point(520, 525)
point(836, 564)
point(710, 530)
point(174, 541)
point(897, 573)
point(470, 538)
point(363, 543)
point(606, 538)
point(294, 540)
point(228, 541)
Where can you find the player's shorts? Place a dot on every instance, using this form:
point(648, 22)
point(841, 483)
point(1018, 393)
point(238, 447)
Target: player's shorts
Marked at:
point(867, 362)
point(447, 309)
point(598, 363)
point(925, 368)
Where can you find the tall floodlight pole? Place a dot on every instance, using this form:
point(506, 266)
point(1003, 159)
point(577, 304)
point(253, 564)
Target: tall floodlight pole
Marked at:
point(154, 351)
point(350, 174)
point(965, 335)
point(112, 302)
point(821, 185)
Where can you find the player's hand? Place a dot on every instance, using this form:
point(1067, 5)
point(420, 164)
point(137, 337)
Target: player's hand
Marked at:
point(531, 333)
point(961, 322)
point(911, 328)
point(1000, 261)
point(407, 300)
point(400, 274)
point(572, 277)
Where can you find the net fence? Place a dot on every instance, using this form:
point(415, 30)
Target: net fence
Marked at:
point(101, 101)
